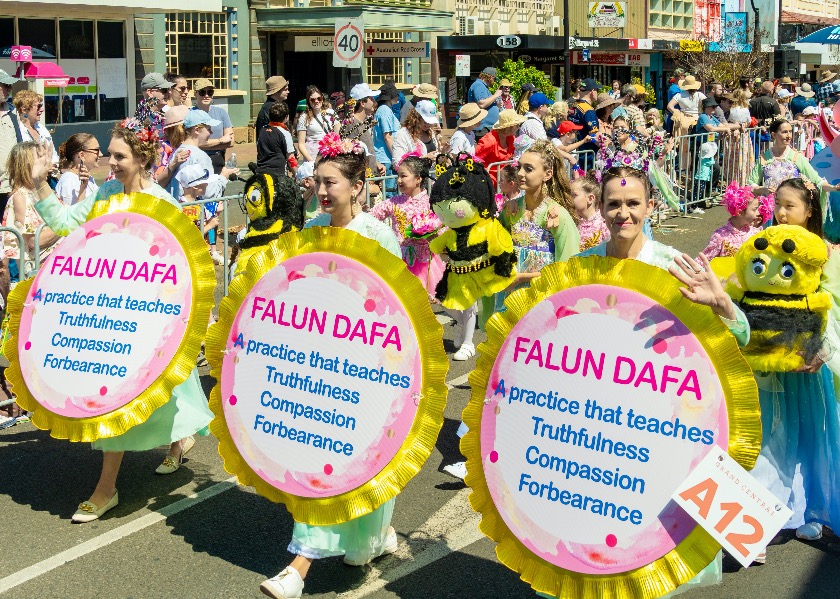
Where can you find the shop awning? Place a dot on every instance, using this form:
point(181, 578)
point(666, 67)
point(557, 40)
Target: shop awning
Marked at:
point(123, 6)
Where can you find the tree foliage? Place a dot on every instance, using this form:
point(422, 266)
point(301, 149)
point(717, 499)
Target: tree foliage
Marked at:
point(725, 61)
point(519, 74)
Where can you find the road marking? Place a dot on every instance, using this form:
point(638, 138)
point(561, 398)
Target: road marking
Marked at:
point(458, 381)
point(105, 539)
point(450, 529)
point(441, 520)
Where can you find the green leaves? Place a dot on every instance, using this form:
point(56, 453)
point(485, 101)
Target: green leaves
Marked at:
point(518, 74)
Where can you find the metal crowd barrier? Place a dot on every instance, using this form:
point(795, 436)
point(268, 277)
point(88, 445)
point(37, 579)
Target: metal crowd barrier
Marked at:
point(382, 188)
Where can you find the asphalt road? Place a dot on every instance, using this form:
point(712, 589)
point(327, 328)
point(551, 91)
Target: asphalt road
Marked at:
point(197, 534)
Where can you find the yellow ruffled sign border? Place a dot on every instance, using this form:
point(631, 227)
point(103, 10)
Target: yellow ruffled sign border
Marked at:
point(421, 439)
point(698, 549)
point(139, 409)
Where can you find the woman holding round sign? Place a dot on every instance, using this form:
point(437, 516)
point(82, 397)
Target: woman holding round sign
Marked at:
point(106, 335)
point(597, 392)
point(331, 375)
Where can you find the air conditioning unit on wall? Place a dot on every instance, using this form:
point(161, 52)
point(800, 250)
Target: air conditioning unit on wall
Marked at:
point(491, 27)
point(467, 25)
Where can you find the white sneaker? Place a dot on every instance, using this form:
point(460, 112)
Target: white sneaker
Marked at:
point(7, 421)
point(464, 353)
point(286, 585)
point(698, 211)
point(458, 470)
point(217, 257)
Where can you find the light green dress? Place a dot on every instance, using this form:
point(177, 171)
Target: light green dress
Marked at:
point(186, 413)
point(365, 537)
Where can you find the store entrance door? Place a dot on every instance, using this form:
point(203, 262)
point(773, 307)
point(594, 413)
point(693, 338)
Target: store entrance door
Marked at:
point(310, 68)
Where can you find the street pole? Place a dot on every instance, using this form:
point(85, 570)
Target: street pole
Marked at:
point(567, 55)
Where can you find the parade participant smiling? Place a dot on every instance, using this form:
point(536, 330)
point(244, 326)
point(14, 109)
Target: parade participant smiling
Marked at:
point(339, 180)
point(133, 149)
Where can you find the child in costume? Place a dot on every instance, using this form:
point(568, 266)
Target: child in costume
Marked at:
point(413, 221)
point(480, 250)
point(800, 417)
point(746, 209)
point(362, 539)
point(508, 186)
point(586, 196)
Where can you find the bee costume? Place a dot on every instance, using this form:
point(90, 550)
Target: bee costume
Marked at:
point(780, 272)
point(274, 206)
point(480, 250)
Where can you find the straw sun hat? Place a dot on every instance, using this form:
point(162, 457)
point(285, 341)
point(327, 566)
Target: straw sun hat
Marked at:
point(470, 114)
point(509, 118)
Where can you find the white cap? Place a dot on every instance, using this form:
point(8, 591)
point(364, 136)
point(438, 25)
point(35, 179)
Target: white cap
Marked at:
point(809, 111)
point(708, 149)
point(428, 111)
point(191, 175)
point(361, 91)
point(307, 169)
point(784, 93)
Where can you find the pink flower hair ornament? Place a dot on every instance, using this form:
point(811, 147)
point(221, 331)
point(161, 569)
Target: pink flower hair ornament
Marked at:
point(416, 152)
point(332, 145)
point(737, 198)
point(766, 207)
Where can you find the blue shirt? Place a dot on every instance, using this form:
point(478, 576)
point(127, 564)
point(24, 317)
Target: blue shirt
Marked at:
point(480, 91)
point(386, 122)
point(220, 114)
point(397, 108)
point(703, 120)
point(584, 115)
point(674, 90)
point(798, 104)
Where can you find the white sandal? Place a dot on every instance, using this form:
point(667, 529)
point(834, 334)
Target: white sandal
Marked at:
point(464, 353)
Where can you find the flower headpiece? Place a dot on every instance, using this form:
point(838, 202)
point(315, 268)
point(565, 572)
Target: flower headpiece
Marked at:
point(737, 198)
point(147, 122)
point(647, 150)
point(766, 207)
point(332, 145)
point(416, 152)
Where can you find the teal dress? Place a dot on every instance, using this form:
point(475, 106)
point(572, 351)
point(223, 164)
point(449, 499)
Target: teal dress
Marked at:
point(365, 537)
point(186, 413)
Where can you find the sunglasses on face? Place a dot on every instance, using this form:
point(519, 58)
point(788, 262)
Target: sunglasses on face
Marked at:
point(206, 92)
point(181, 89)
point(318, 99)
point(96, 151)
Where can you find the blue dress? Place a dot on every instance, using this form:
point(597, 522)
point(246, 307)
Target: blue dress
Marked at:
point(186, 412)
point(365, 537)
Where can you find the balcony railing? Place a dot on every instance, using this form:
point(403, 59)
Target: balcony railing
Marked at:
point(327, 3)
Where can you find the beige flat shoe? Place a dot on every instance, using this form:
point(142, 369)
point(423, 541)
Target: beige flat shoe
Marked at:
point(171, 464)
point(88, 512)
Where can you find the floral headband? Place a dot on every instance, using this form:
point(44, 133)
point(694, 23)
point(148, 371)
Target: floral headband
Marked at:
point(143, 133)
point(737, 198)
point(332, 145)
point(416, 152)
point(147, 122)
point(766, 207)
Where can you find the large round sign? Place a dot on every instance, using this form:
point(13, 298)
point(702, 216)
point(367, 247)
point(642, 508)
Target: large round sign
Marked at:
point(112, 321)
point(596, 394)
point(331, 375)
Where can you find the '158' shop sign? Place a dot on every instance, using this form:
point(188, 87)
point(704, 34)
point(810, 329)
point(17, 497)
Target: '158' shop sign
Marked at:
point(622, 59)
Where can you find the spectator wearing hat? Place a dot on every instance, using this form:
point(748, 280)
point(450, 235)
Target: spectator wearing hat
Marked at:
point(533, 126)
point(526, 91)
point(583, 113)
point(783, 97)
point(824, 89)
point(360, 124)
point(604, 105)
point(762, 105)
point(10, 134)
point(173, 136)
point(629, 93)
point(276, 90)
point(566, 142)
point(479, 93)
point(803, 98)
point(685, 107)
point(497, 146)
point(505, 100)
point(424, 91)
point(419, 133)
point(221, 134)
point(155, 85)
point(463, 140)
point(386, 126)
point(274, 143)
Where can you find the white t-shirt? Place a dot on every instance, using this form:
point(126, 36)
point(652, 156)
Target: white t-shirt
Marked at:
point(314, 131)
point(67, 188)
point(690, 105)
point(739, 115)
point(462, 142)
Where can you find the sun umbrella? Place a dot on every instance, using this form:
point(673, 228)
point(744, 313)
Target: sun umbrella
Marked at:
point(826, 35)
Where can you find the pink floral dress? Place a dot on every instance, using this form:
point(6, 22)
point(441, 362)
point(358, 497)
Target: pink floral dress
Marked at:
point(727, 240)
point(401, 210)
point(593, 231)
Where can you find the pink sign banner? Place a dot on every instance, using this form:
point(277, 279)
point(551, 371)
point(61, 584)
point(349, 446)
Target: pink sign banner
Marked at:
point(321, 378)
point(599, 404)
point(105, 315)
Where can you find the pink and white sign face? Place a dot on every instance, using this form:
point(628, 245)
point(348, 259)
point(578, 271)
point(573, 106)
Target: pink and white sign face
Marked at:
point(599, 404)
point(321, 379)
point(105, 315)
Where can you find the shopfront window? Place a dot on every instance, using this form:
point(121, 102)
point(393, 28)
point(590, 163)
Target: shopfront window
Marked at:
point(92, 55)
point(380, 69)
point(197, 46)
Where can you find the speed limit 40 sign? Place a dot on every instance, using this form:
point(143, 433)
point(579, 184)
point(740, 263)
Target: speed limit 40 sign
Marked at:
point(349, 42)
